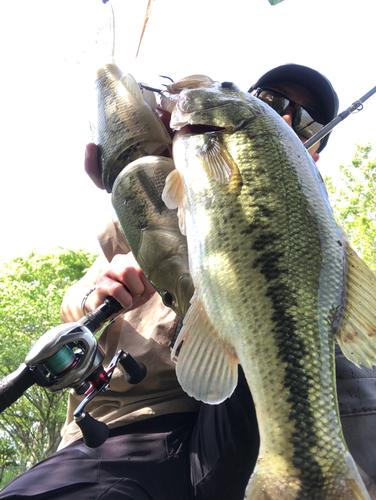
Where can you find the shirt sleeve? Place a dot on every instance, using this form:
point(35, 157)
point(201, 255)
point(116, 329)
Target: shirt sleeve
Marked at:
point(112, 240)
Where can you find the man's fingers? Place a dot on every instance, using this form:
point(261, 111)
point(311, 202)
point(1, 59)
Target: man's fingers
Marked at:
point(124, 281)
point(125, 286)
point(132, 286)
point(116, 290)
point(148, 287)
point(91, 164)
point(109, 288)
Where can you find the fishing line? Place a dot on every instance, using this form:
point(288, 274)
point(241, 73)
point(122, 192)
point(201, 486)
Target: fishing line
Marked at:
point(146, 19)
point(113, 27)
point(108, 323)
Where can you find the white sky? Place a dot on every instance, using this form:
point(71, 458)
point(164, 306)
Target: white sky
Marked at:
point(49, 54)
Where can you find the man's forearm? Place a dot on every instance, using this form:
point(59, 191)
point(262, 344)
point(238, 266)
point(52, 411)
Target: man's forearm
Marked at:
point(71, 305)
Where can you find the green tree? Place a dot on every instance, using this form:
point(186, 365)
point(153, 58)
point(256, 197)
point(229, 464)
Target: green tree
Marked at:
point(354, 203)
point(31, 292)
point(6, 456)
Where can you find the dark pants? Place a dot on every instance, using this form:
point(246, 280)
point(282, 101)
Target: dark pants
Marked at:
point(204, 456)
point(209, 455)
point(356, 389)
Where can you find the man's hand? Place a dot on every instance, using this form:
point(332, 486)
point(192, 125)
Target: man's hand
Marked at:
point(91, 165)
point(123, 280)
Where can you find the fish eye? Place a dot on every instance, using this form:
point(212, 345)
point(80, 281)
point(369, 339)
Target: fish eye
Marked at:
point(168, 299)
point(226, 85)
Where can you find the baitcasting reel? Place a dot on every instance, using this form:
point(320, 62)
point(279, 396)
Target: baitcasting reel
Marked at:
point(69, 356)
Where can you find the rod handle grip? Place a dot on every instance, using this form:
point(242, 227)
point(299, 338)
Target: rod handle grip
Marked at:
point(14, 385)
point(95, 319)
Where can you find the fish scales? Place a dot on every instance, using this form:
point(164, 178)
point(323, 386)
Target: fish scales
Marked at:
point(130, 134)
point(273, 254)
point(128, 128)
point(269, 270)
point(152, 230)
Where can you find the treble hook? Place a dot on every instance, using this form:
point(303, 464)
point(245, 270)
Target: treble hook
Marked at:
point(146, 87)
point(168, 78)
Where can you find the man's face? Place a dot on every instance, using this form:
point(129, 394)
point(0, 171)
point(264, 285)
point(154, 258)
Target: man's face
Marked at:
point(301, 96)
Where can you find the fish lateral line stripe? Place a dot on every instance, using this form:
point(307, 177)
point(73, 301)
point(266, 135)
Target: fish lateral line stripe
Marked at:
point(286, 329)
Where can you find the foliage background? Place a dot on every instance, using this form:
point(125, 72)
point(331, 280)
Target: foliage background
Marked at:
point(354, 202)
point(31, 292)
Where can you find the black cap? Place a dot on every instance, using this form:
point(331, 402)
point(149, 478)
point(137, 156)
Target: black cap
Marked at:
point(311, 79)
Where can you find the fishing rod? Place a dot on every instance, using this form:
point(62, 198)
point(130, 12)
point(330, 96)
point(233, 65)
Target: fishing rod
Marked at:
point(354, 108)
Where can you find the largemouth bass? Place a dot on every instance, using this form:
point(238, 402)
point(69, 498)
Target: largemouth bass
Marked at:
point(274, 281)
point(152, 230)
point(128, 127)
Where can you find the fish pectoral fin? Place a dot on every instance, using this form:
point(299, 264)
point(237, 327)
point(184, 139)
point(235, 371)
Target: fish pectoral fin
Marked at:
point(216, 160)
point(182, 219)
point(133, 88)
point(207, 368)
point(172, 193)
point(357, 333)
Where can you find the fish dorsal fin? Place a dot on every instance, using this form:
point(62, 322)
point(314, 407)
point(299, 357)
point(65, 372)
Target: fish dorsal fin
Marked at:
point(206, 368)
point(357, 333)
point(132, 86)
point(216, 161)
point(172, 193)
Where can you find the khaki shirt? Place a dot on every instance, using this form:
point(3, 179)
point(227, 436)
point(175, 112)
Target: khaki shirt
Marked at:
point(145, 333)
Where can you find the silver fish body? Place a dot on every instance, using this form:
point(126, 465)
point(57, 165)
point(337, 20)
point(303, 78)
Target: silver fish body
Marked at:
point(127, 127)
point(152, 230)
point(269, 266)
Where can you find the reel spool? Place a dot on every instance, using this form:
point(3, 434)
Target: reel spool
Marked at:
point(60, 362)
point(65, 356)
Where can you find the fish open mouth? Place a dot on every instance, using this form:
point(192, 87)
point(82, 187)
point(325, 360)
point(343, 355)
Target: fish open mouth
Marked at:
point(199, 129)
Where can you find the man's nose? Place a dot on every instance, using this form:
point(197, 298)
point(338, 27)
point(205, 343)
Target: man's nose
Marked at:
point(288, 116)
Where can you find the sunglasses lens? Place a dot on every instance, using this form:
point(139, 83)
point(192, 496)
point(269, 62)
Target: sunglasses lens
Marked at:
point(303, 123)
point(277, 102)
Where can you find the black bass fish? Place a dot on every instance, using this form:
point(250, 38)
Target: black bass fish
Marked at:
point(128, 127)
point(152, 230)
point(275, 281)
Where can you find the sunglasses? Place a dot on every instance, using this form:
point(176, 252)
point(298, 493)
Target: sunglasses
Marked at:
point(305, 122)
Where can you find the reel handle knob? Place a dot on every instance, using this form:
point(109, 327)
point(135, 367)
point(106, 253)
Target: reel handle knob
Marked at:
point(93, 431)
point(135, 371)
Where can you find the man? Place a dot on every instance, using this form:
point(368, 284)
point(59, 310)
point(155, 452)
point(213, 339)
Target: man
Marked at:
point(303, 97)
point(162, 443)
